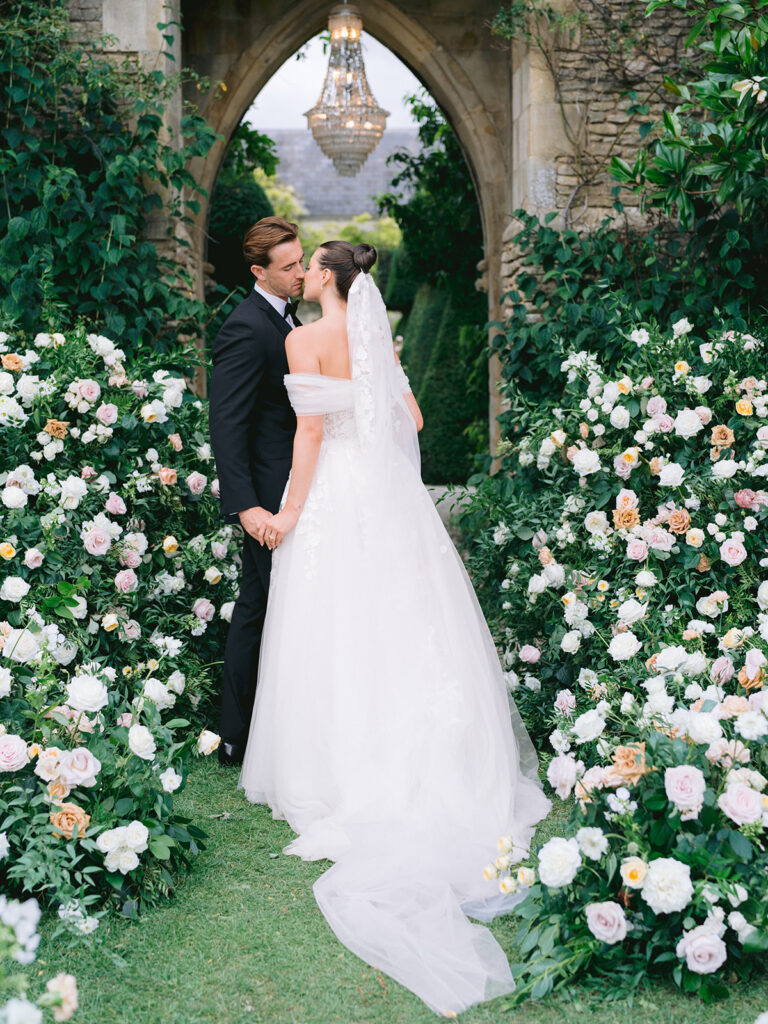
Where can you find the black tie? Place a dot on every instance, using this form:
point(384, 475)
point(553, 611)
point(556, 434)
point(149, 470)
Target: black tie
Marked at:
point(290, 310)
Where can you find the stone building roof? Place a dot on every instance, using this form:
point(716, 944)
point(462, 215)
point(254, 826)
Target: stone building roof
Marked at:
point(325, 193)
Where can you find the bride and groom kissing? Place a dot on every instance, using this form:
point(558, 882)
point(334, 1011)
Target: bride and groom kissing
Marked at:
point(361, 687)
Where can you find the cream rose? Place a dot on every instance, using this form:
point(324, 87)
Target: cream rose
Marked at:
point(624, 646)
point(79, 767)
point(141, 742)
point(667, 887)
point(86, 693)
point(207, 742)
point(559, 862)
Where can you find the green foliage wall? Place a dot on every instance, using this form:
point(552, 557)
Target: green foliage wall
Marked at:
point(84, 161)
point(234, 208)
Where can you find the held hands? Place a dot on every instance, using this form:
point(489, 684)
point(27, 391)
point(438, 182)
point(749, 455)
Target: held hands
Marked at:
point(254, 521)
point(278, 526)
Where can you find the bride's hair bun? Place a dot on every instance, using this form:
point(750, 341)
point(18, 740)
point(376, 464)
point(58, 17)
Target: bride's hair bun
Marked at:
point(364, 257)
point(346, 262)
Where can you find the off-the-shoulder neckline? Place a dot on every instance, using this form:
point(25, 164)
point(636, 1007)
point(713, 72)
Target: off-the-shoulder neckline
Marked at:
point(323, 376)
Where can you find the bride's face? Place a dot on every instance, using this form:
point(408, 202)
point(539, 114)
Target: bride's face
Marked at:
point(316, 279)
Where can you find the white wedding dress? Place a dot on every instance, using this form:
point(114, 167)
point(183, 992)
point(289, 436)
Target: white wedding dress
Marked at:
point(382, 728)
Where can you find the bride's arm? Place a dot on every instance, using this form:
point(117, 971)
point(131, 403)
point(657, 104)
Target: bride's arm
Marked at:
point(306, 447)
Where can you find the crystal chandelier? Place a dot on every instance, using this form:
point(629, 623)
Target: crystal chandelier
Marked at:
point(346, 122)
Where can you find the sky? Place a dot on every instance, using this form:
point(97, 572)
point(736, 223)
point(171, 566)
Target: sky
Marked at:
point(296, 87)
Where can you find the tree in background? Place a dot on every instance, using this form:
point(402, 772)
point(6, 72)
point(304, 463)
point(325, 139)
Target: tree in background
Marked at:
point(432, 279)
point(85, 161)
point(237, 202)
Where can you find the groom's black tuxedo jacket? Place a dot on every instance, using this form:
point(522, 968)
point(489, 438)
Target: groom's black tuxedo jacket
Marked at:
point(251, 419)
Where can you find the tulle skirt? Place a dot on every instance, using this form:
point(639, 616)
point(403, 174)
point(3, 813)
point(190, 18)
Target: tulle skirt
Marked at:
point(383, 731)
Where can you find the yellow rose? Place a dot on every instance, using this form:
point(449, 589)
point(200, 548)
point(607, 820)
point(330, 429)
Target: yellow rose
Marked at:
point(682, 367)
point(624, 385)
point(109, 622)
point(7, 551)
point(558, 437)
point(507, 885)
point(630, 456)
point(744, 407)
point(633, 872)
point(170, 545)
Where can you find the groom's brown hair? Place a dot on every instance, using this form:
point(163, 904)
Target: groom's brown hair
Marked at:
point(265, 235)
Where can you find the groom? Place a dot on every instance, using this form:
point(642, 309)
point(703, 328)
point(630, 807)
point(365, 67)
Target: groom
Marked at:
point(252, 427)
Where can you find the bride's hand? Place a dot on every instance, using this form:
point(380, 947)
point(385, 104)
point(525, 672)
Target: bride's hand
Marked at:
point(278, 526)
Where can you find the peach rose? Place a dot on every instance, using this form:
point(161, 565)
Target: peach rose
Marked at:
point(655, 466)
point(56, 428)
point(629, 762)
point(722, 436)
point(175, 442)
point(58, 791)
point(167, 476)
point(12, 362)
point(625, 518)
point(66, 818)
point(733, 705)
point(754, 682)
point(545, 556)
point(703, 564)
point(679, 520)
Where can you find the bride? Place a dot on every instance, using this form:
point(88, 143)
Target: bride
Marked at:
point(382, 729)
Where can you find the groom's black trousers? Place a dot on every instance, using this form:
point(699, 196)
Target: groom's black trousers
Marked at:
point(241, 655)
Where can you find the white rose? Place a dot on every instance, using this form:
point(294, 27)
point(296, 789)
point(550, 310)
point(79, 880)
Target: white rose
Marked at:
point(159, 694)
point(631, 611)
point(141, 742)
point(176, 682)
point(585, 461)
point(212, 574)
point(226, 610)
point(762, 596)
point(14, 588)
point(669, 659)
point(646, 578)
point(596, 522)
point(751, 725)
point(537, 584)
point(86, 693)
point(562, 773)
point(20, 645)
point(207, 742)
point(589, 726)
point(14, 497)
point(687, 423)
point(170, 780)
point(725, 469)
point(667, 886)
point(620, 417)
point(640, 336)
point(80, 610)
point(6, 680)
point(111, 840)
point(703, 727)
point(593, 842)
point(73, 490)
point(127, 860)
point(624, 646)
point(571, 642)
point(672, 475)
point(136, 836)
point(607, 922)
point(21, 1011)
point(559, 861)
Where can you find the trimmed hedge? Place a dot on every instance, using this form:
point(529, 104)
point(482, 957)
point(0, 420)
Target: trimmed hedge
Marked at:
point(234, 208)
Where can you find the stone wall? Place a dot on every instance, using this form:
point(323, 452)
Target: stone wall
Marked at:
point(324, 192)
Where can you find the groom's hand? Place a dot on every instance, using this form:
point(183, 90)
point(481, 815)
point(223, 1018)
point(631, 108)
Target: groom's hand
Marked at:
point(254, 521)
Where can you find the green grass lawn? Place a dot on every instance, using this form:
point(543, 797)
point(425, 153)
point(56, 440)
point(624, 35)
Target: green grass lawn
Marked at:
point(244, 943)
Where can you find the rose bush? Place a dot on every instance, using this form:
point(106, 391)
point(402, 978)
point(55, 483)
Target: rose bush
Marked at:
point(627, 545)
point(116, 584)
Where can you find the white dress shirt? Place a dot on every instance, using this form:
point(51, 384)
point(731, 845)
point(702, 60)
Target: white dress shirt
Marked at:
point(277, 303)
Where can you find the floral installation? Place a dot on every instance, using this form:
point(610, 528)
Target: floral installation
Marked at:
point(18, 945)
point(117, 581)
point(630, 599)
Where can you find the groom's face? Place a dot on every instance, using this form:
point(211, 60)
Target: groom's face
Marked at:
point(284, 274)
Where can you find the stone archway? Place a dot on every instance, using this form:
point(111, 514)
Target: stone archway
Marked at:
point(243, 44)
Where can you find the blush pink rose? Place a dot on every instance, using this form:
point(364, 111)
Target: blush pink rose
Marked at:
point(529, 654)
point(107, 414)
point(87, 472)
point(124, 720)
point(745, 498)
point(645, 383)
point(728, 752)
point(758, 701)
point(79, 767)
point(167, 476)
point(562, 773)
point(704, 413)
point(565, 702)
point(732, 552)
point(115, 505)
point(721, 670)
point(657, 405)
point(607, 922)
point(196, 482)
point(215, 490)
point(97, 541)
point(175, 442)
point(130, 558)
point(139, 388)
point(219, 550)
point(685, 786)
point(658, 538)
point(762, 437)
point(703, 949)
point(33, 558)
point(622, 469)
point(130, 630)
point(539, 540)
point(126, 581)
point(637, 549)
point(13, 753)
point(203, 609)
point(89, 390)
point(741, 803)
point(664, 423)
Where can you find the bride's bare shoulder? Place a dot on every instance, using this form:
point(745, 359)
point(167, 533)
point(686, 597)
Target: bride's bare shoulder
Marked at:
point(301, 347)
